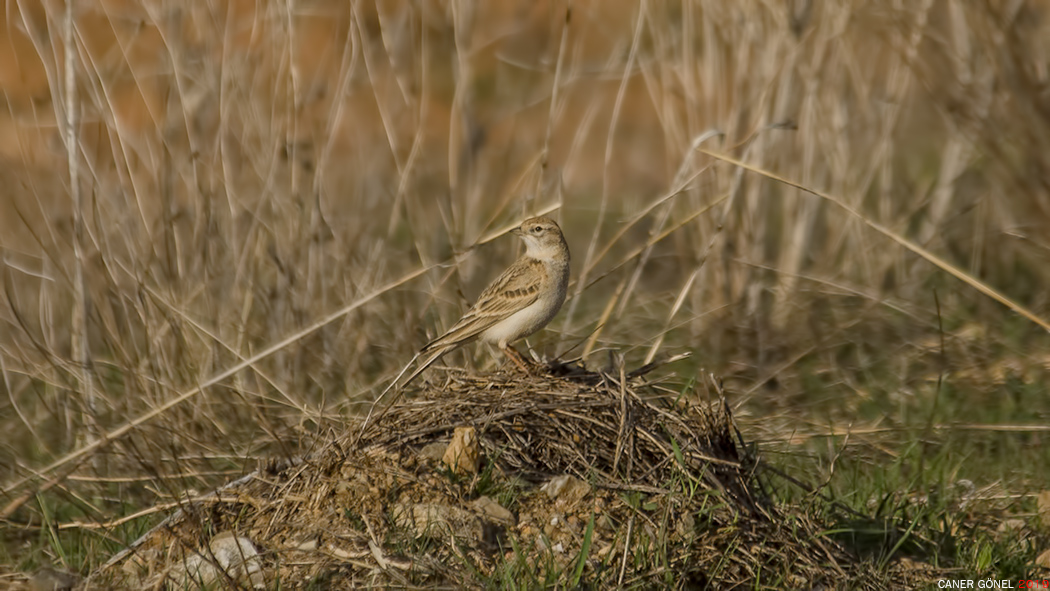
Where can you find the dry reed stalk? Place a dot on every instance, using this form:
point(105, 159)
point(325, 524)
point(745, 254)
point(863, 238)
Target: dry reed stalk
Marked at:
point(91, 448)
point(81, 348)
point(899, 239)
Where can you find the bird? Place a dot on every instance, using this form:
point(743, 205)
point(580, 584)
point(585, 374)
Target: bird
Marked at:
point(516, 304)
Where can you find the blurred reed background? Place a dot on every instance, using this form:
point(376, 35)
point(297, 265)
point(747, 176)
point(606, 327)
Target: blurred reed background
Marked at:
point(246, 168)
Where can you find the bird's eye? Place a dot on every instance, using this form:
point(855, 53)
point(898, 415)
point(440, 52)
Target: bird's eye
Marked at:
point(537, 229)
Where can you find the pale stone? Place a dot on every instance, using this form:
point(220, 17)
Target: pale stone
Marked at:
point(493, 510)
point(566, 490)
point(464, 453)
point(236, 556)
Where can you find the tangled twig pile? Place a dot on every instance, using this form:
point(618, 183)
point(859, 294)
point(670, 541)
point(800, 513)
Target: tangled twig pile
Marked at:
point(602, 432)
point(594, 479)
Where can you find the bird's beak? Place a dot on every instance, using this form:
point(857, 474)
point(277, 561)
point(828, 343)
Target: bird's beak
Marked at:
point(516, 231)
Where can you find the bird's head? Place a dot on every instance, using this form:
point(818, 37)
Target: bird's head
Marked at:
point(543, 238)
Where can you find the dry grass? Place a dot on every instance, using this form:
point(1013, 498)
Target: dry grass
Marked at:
point(254, 213)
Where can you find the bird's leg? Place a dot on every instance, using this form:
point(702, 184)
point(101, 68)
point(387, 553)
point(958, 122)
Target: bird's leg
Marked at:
point(516, 358)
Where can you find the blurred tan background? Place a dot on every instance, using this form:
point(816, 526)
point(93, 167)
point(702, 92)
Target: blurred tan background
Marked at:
point(248, 167)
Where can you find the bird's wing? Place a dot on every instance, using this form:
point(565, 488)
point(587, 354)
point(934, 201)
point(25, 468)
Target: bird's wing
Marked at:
point(516, 289)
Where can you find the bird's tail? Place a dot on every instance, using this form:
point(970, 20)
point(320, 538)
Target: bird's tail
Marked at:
point(429, 358)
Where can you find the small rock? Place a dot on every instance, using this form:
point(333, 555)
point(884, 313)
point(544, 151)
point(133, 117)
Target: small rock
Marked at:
point(135, 567)
point(433, 451)
point(1010, 526)
point(237, 556)
point(493, 510)
point(432, 519)
point(566, 490)
point(685, 528)
point(963, 490)
point(349, 491)
point(307, 546)
point(463, 454)
point(558, 548)
point(49, 579)
point(1042, 504)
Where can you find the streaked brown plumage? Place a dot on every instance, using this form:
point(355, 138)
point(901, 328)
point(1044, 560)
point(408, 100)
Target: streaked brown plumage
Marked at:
point(518, 303)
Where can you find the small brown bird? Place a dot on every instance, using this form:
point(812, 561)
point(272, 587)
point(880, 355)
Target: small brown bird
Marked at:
point(518, 303)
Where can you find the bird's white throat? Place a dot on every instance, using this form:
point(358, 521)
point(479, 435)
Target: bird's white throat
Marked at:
point(542, 252)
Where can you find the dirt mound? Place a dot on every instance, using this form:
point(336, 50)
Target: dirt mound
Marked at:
point(591, 480)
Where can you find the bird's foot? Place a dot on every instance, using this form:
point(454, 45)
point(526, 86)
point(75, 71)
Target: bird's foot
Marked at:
point(520, 361)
